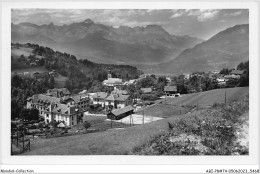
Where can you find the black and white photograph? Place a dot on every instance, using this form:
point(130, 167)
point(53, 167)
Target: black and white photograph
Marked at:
point(134, 82)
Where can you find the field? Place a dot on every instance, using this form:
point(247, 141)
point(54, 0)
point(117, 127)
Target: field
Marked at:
point(113, 141)
point(100, 123)
point(175, 106)
point(163, 111)
point(15, 52)
point(209, 98)
point(31, 70)
point(60, 81)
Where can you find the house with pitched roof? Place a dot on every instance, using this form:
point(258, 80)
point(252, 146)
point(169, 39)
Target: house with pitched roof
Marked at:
point(41, 102)
point(58, 92)
point(170, 90)
point(118, 100)
point(99, 98)
point(237, 72)
point(68, 114)
point(118, 114)
point(81, 100)
point(51, 108)
point(146, 90)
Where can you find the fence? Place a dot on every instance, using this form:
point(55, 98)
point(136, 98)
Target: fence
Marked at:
point(22, 144)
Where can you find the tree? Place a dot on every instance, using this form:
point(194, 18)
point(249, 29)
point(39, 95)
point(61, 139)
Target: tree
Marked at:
point(34, 114)
point(52, 82)
point(86, 124)
point(41, 62)
point(16, 81)
point(25, 114)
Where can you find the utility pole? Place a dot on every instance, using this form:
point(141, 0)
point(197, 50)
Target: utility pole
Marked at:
point(225, 96)
point(143, 114)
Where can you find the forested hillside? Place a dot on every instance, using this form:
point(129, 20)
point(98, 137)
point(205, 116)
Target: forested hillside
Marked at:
point(81, 73)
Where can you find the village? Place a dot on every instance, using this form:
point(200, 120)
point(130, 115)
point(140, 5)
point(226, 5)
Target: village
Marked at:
point(62, 113)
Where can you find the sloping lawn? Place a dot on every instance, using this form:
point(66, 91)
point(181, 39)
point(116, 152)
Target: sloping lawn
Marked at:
point(163, 111)
point(113, 142)
point(174, 107)
point(210, 97)
point(21, 51)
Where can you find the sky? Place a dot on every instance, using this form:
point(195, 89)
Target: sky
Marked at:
point(201, 23)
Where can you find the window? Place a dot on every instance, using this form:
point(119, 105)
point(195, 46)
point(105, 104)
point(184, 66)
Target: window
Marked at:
point(47, 115)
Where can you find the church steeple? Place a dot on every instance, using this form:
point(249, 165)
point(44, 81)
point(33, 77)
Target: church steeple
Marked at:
point(109, 75)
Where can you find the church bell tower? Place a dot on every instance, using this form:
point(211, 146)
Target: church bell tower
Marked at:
point(109, 75)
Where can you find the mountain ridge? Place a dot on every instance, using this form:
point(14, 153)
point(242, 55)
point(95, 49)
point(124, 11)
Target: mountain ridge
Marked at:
point(225, 49)
point(129, 40)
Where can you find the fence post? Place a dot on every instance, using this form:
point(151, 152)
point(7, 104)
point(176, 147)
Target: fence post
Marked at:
point(143, 114)
point(23, 142)
point(17, 138)
point(225, 96)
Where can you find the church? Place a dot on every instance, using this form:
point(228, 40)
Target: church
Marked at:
point(112, 81)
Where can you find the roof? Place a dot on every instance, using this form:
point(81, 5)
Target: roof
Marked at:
point(61, 125)
point(146, 90)
point(79, 97)
point(239, 72)
point(113, 81)
point(117, 97)
point(100, 95)
point(122, 111)
point(170, 88)
point(132, 81)
point(66, 109)
point(63, 90)
point(119, 91)
point(41, 98)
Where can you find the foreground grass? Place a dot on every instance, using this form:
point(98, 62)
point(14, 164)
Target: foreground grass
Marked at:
point(110, 142)
point(212, 132)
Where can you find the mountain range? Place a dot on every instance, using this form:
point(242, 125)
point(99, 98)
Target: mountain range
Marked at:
point(150, 48)
point(105, 44)
point(226, 49)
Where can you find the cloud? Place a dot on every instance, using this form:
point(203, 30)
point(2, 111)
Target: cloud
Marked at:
point(237, 13)
point(208, 15)
point(178, 13)
point(204, 14)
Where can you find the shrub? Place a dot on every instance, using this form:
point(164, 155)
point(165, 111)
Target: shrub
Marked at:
point(86, 124)
point(212, 132)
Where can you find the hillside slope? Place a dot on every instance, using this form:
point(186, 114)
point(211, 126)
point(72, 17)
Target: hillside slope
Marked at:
point(116, 142)
point(226, 49)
